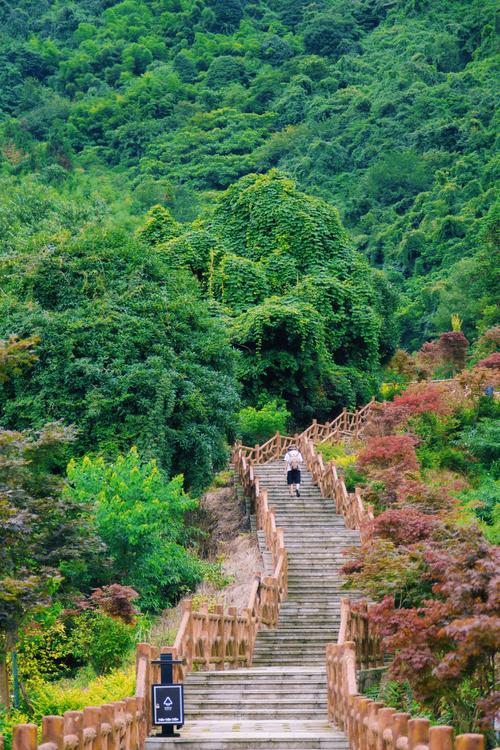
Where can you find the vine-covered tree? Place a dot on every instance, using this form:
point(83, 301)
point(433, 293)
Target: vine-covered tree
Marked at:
point(312, 322)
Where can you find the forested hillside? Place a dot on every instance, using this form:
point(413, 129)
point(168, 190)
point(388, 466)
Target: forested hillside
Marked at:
point(219, 219)
point(383, 107)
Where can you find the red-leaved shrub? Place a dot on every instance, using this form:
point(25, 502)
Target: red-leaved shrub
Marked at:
point(420, 398)
point(428, 359)
point(405, 527)
point(453, 348)
point(116, 601)
point(454, 637)
point(428, 498)
point(389, 452)
point(492, 362)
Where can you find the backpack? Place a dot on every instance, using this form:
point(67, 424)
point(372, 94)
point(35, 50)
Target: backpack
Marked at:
point(294, 460)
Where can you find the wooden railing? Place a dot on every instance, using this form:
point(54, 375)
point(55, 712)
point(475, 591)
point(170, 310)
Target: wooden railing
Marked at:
point(346, 424)
point(121, 725)
point(225, 639)
point(332, 485)
point(354, 628)
point(370, 724)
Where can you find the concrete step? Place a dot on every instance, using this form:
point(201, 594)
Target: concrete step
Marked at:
point(289, 734)
point(328, 636)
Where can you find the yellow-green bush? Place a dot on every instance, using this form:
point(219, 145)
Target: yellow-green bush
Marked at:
point(57, 697)
point(337, 453)
point(43, 651)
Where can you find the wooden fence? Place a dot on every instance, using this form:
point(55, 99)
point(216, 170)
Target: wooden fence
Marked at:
point(346, 424)
point(354, 628)
point(332, 485)
point(370, 725)
point(225, 639)
point(122, 725)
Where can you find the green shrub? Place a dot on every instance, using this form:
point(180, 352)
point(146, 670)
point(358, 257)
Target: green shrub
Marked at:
point(353, 478)
point(483, 441)
point(337, 453)
point(140, 516)
point(483, 501)
point(258, 425)
point(101, 640)
point(398, 695)
point(215, 575)
point(443, 458)
point(223, 479)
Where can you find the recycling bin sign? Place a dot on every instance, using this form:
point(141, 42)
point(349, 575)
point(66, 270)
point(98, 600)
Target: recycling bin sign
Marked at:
point(168, 705)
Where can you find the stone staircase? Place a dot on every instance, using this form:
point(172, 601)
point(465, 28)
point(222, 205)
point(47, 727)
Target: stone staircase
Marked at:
point(314, 538)
point(281, 701)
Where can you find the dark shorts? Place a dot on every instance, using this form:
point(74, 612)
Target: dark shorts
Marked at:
point(293, 476)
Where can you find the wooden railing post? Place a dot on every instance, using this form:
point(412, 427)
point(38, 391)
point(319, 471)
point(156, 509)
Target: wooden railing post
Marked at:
point(399, 727)
point(108, 721)
point(92, 717)
point(73, 728)
point(221, 637)
point(418, 733)
point(441, 738)
point(53, 731)
point(24, 737)
point(233, 638)
point(384, 725)
point(143, 686)
point(132, 722)
point(470, 742)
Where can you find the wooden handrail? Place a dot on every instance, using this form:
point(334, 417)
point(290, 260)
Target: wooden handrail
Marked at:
point(122, 724)
point(371, 724)
point(326, 476)
point(347, 423)
point(354, 627)
point(226, 639)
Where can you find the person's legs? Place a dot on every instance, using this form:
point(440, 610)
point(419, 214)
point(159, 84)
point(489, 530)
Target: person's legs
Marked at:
point(289, 478)
point(297, 483)
point(294, 482)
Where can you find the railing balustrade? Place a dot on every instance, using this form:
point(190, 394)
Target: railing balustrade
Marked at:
point(346, 424)
point(370, 725)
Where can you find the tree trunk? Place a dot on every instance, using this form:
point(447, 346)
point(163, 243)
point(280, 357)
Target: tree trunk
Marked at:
point(4, 681)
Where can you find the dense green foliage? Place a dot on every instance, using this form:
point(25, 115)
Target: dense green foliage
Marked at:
point(258, 425)
point(140, 517)
point(384, 108)
point(128, 349)
point(312, 321)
